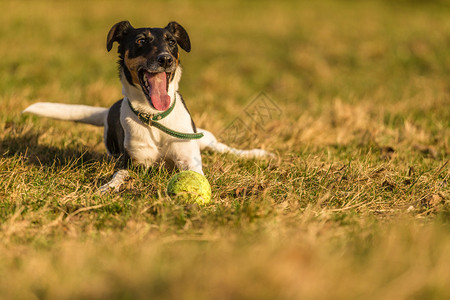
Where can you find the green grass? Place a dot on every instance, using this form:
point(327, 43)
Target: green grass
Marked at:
point(356, 206)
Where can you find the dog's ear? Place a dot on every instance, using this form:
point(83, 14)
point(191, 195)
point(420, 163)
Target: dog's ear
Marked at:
point(116, 33)
point(180, 35)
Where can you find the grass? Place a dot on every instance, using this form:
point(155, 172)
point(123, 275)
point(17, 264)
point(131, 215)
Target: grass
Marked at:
point(355, 206)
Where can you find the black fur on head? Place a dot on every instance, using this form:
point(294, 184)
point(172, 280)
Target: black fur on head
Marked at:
point(141, 48)
point(118, 32)
point(147, 52)
point(180, 35)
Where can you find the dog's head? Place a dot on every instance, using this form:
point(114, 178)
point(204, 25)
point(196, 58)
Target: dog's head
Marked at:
point(149, 57)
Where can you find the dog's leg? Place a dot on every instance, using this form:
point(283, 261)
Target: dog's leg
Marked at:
point(186, 156)
point(190, 165)
point(116, 182)
point(209, 141)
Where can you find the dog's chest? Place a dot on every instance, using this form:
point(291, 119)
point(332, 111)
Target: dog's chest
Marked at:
point(143, 144)
point(147, 145)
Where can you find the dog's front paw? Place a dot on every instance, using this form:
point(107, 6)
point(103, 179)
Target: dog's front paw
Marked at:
point(105, 188)
point(116, 182)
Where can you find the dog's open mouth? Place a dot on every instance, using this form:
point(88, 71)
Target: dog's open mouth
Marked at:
point(155, 86)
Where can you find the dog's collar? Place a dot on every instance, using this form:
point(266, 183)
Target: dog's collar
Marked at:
point(151, 120)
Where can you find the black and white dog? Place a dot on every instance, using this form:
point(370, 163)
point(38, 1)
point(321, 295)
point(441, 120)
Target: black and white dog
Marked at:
point(151, 124)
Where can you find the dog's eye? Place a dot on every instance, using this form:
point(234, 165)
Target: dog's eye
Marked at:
point(140, 41)
point(172, 42)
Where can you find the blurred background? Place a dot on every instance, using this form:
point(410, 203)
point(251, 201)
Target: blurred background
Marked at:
point(304, 52)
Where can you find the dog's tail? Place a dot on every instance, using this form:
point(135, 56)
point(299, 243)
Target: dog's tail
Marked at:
point(209, 142)
point(69, 112)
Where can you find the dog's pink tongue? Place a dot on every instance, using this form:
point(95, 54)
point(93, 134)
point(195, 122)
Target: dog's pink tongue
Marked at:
point(157, 91)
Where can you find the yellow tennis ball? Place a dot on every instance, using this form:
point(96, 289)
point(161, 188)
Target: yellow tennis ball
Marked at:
point(190, 186)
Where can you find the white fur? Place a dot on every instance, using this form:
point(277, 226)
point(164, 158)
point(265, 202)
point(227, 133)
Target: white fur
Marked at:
point(70, 112)
point(147, 145)
point(118, 179)
point(210, 142)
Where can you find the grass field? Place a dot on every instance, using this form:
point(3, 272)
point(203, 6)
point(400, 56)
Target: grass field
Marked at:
point(352, 96)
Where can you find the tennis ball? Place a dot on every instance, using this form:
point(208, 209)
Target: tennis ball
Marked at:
point(190, 186)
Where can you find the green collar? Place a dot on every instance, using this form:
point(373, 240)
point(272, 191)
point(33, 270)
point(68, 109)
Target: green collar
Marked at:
point(151, 120)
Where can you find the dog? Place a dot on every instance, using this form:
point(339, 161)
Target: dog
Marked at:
point(151, 125)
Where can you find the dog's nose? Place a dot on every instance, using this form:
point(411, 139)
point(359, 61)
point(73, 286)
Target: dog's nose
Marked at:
point(165, 60)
